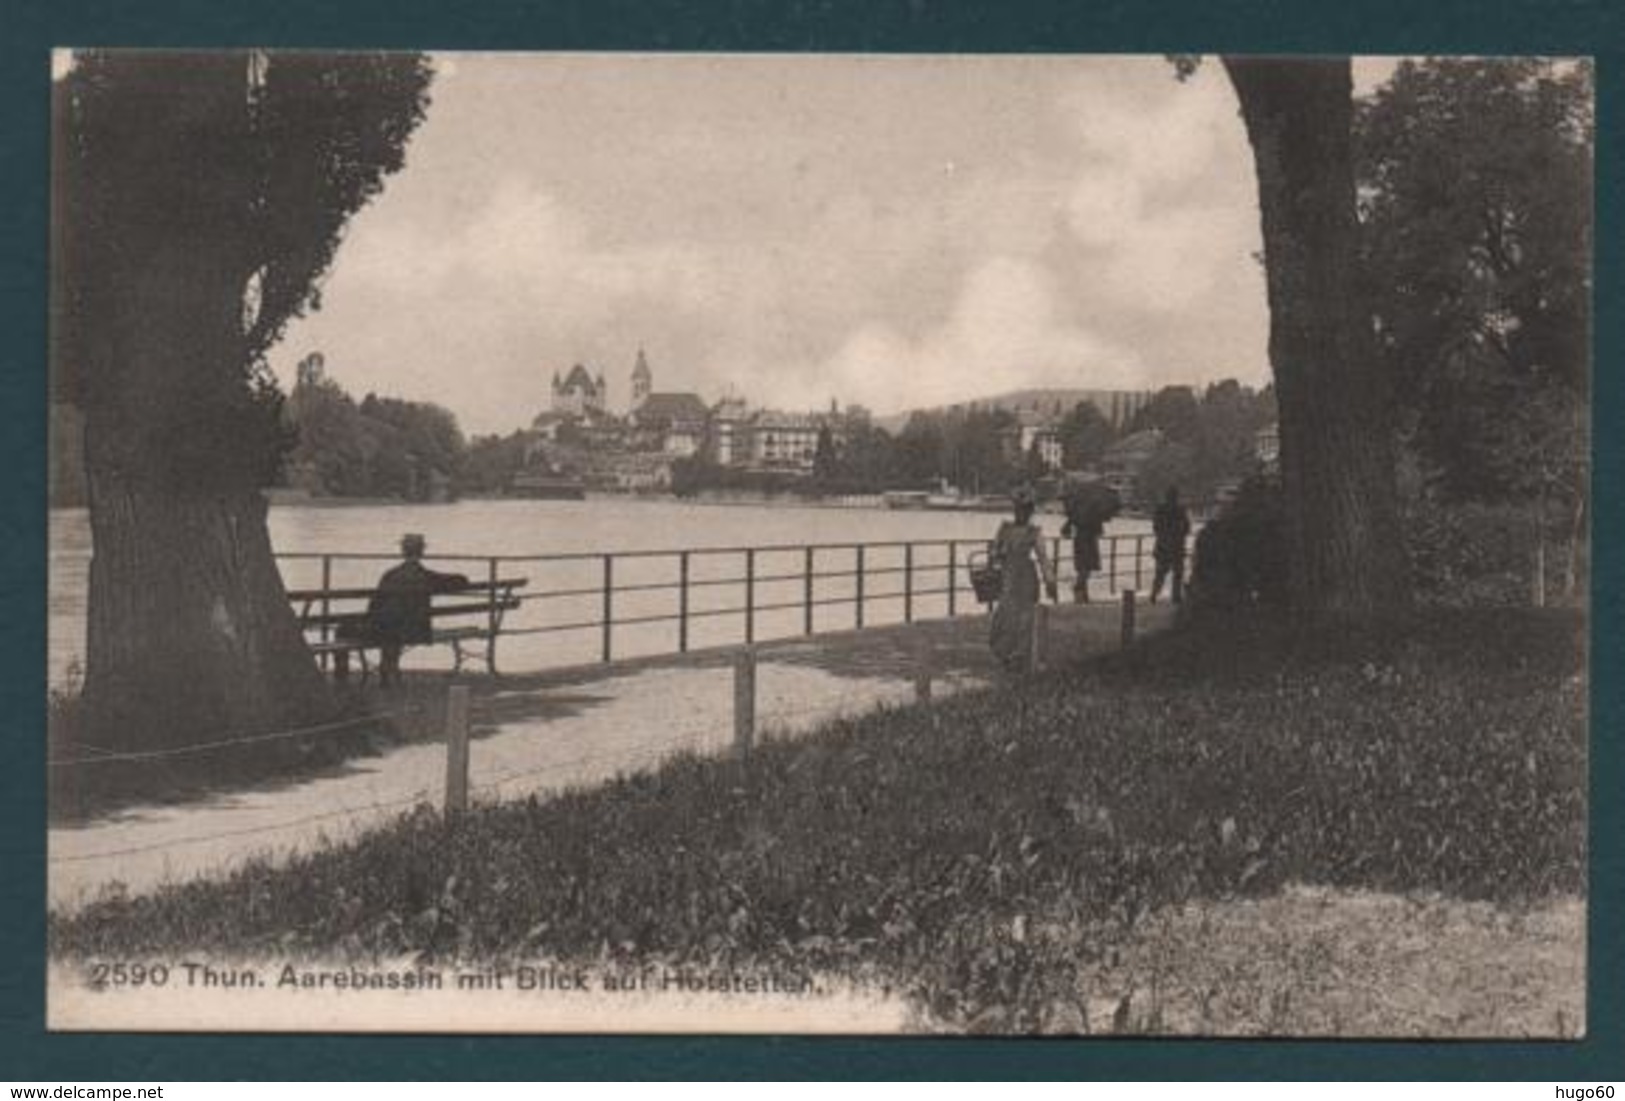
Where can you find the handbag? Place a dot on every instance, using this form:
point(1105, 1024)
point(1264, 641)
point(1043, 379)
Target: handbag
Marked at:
point(986, 576)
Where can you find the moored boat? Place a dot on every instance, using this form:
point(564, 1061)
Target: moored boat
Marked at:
point(547, 487)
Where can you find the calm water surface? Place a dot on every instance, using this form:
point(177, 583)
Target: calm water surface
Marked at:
point(593, 527)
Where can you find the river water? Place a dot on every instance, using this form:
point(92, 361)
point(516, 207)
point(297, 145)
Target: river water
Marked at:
point(645, 587)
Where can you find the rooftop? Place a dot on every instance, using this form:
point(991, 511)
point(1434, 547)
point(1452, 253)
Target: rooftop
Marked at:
point(671, 407)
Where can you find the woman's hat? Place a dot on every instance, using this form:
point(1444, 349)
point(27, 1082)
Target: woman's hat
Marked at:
point(1021, 495)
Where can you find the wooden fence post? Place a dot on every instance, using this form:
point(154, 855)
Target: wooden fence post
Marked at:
point(922, 665)
point(1040, 638)
point(744, 701)
point(1538, 581)
point(457, 749)
point(1128, 617)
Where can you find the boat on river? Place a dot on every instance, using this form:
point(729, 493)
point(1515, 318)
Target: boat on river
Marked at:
point(547, 487)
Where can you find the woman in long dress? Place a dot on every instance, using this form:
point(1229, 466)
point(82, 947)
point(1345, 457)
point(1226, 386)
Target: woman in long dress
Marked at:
point(1018, 548)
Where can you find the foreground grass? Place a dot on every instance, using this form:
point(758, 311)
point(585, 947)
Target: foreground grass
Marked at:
point(988, 857)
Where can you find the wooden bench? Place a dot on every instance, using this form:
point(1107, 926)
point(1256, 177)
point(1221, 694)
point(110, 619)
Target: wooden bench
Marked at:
point(489, 600)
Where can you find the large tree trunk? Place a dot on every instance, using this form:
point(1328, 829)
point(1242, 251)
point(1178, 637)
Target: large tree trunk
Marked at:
point(191, 636)
point(1337, 460)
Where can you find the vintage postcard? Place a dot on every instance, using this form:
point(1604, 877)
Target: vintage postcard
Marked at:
point(636, 542)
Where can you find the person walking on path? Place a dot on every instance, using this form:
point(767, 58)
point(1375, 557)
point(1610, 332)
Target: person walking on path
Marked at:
point(1018, 551)
point(1171, 526)
point(398, 613)
point(1088, 507)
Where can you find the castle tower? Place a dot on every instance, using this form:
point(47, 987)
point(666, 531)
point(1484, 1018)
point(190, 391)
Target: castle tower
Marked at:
point(642, 380)
point(311, 369)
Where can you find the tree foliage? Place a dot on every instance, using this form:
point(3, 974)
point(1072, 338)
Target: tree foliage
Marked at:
point(492, 461)
point(236, 168)
point(1174, 411)
point(383, 447)
point(826, 458)
point(1085, 436)
point(199, 200)
point(1475, 198)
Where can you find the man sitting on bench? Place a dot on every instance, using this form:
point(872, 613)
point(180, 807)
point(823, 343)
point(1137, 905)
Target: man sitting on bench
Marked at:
point(398, 613)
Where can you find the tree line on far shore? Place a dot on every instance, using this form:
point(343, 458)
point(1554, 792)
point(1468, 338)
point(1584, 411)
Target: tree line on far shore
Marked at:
point(384, 447)
point(1205, 440)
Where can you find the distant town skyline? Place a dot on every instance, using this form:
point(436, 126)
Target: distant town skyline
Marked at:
point(889, 231)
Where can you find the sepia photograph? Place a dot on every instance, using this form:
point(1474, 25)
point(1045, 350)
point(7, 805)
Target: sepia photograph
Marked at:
point(873, 544)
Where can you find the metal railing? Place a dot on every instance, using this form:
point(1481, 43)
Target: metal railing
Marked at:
point(773, 590)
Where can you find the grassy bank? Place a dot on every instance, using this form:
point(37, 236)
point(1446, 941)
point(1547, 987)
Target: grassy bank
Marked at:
point(989, 856)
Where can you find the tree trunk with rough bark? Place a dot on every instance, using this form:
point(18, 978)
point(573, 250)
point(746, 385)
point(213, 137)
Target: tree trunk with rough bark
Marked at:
point(191, 636)
point(1337, 453)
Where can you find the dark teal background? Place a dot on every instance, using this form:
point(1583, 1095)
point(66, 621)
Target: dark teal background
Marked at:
point(29, 28)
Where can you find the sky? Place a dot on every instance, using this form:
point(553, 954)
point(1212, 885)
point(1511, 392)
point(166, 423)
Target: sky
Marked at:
point(890, 231)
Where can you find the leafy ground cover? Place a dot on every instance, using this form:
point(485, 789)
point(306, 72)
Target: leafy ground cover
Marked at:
point(989, 857)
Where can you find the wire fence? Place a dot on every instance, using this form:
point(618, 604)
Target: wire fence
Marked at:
point(421, 797)
point(106, 756)
point(720, 733)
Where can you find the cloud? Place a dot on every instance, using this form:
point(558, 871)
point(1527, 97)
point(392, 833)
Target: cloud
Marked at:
point(515, 287)
point(1164, 200)
point(1065, 225)
point(1003, 330)
point(522, 245)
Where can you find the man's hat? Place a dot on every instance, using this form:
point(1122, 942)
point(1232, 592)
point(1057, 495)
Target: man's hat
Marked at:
point(1021, 495)
point(412, 541)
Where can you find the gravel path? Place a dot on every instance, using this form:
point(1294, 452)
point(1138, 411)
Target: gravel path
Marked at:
point(535, 734)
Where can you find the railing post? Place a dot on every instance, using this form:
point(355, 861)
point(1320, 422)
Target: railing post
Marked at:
point(457, 749)
point(1139, 562)
point(493, 619)
point(1128, 617)
point(908, 582)
point(682, 602)
point(750, 596)
point(807, 592)
point(1111, 574)
point(858, 603)
point(327, 607)
point(609, 604)
point(953, 577)
point(744, 701)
